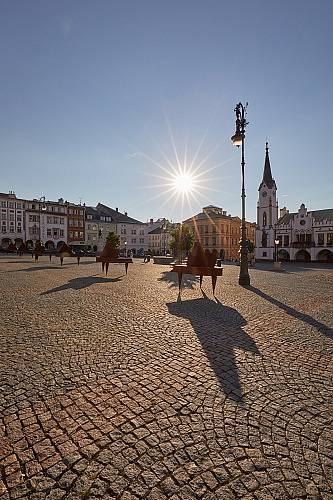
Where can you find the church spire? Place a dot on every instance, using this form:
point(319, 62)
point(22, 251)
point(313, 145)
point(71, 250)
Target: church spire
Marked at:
point(267, 177)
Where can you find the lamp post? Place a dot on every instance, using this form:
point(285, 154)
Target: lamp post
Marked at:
point(238, 140)
point(40, 208)
point(125, 243)
point(276, 249)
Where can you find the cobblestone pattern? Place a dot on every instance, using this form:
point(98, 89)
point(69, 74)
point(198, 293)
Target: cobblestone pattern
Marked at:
point(111, 388)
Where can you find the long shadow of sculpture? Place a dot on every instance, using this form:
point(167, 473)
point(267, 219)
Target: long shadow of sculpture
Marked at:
point(79, 283)
point(321, 327)
point(219, 330)
point(172, 278)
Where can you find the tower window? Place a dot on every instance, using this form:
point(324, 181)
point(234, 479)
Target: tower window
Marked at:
point(264, 219)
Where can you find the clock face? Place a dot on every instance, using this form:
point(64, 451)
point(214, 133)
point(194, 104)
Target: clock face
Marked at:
point(264, 193)
point(302, 222)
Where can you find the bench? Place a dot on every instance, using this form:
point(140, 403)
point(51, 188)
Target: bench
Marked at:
point(199, 263)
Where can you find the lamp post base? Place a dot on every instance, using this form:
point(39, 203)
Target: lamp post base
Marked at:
point(244, 279)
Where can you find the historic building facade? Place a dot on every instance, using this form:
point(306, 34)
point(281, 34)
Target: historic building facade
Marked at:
point(301, 236)
point(98, 225)
point(214, 229)
point(45, 221)
point(76, 224)
point(12, 220)
point(305, 235)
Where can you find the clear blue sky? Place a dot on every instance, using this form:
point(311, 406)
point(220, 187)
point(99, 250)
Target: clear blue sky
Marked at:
point(90, 89)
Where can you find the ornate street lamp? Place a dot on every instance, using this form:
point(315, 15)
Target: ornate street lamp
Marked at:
point(277, 242)
point(238, 140)
point(41, 206)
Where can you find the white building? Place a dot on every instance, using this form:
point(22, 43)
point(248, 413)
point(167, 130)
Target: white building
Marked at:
point(45, 221)
point(12, 220)
point(305, 235)
point(302, 236)
point(133, 234)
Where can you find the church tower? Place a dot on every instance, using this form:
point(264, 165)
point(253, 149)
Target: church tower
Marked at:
point(267, 214)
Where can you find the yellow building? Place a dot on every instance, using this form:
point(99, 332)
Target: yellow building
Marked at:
point(213, 228)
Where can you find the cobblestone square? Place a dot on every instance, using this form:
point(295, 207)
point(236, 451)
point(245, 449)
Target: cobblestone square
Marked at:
point(112, 387)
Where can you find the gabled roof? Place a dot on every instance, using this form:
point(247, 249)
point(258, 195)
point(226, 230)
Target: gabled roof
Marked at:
point(209, 216)
point(158, 230)
point(92, 211)
point(286, 218)
point(318, 215)
point(116, 216)
point(267, 177)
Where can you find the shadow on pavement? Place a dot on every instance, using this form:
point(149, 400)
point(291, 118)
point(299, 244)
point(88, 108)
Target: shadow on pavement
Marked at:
point(79, 283)
point(321, 327)
point(293, 267)
point(35, 268)
point(172, 278)
point(219, 330)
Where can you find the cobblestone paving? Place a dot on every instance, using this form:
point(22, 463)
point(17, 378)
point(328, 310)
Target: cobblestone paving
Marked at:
point(111, 388)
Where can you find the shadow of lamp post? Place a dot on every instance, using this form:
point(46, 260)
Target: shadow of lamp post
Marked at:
point(238, 140)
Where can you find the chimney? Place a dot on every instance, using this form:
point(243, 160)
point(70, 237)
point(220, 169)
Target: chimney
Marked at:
point(125, 213)
point(116, 209)
point(151, 221)
point(224, 212)
point(283, 211)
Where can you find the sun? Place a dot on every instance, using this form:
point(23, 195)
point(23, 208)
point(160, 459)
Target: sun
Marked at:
point(183, 182)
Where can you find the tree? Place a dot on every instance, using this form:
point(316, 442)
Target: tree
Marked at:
point(250, 246)
point(113, 238)
point(182, 240)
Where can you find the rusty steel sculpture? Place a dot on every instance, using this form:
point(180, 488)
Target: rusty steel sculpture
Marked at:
point(199, 263)
point(66, 251)
point(110, 255)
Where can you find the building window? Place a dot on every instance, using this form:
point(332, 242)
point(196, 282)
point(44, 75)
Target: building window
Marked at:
point(19, 230)
point(3, 204)
point(286, 240)
point(329, 239)
point(133, 231)
point(48, 232)
point(264, 219)
point(321, 239)
point(142, 240)
point(264, 254)
point(11, 204)
point(61, 231)
point(89, 217)
point(134, 240)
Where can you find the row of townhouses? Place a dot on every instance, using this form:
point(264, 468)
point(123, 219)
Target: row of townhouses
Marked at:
point(306, 235)
point(55, 223)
